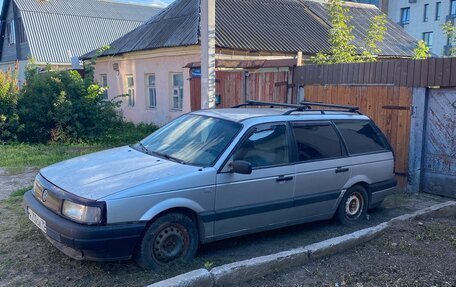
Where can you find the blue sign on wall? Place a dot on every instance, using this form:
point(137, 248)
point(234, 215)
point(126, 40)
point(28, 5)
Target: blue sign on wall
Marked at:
point(196, 73)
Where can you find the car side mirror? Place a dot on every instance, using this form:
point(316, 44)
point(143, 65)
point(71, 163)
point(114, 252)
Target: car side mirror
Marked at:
point(241, 166)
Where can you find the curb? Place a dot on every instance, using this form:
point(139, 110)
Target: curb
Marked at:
point(249, 269)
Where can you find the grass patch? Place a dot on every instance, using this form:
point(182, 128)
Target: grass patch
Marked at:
point(21, 191)
point(18, 156)
point(15, 157)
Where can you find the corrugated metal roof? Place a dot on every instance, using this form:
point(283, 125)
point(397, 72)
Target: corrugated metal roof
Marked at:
point(177, 25)
point(59, 29)
point(258, 25)
point(396, 42)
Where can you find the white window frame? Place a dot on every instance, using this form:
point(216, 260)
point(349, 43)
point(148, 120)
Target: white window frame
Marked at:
point(438, 10)
point(151, 91)
point(104, 84)
point(177, 92)
point(426, 12)
point(405, 15)
point(453, 8)
point(130, 90)
point(11, 32)
point(428, 38)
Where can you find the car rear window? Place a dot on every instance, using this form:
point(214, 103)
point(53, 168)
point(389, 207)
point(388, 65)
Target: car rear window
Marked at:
point(316, 141)
point(361, 137)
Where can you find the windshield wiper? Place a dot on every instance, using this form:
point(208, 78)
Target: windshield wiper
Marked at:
point(167, 156)
point(143, 147)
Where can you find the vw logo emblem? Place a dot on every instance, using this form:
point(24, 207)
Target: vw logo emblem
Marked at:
point(44, 196)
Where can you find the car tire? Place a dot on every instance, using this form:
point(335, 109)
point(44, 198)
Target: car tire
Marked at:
point(353, 206)
point(170, 238)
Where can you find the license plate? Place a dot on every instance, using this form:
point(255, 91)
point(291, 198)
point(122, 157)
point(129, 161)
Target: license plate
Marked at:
point(38, 221)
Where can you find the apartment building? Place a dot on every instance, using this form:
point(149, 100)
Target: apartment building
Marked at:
point(423, 19)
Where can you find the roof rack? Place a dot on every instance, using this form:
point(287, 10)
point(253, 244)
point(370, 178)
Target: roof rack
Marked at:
point(302, 106)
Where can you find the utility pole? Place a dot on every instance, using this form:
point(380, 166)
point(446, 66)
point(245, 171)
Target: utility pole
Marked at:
point(207, 54)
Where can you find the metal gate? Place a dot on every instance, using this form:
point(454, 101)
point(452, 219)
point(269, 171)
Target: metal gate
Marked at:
point(439, 163)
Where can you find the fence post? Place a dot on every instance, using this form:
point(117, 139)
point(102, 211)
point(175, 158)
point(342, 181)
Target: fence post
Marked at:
point(417, 130)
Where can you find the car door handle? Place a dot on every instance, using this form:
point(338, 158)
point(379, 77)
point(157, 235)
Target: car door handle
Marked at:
point(342, 169)
point(284, 178)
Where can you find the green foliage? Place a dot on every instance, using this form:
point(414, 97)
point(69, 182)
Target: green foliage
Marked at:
point(62, 107)
point(341, 38)
point(59, 106)
point(375, 35)
point(9, 119)
point(126, 133)
point(421, 52)
point(208, 265)
point(21, 191)
point(450, 31)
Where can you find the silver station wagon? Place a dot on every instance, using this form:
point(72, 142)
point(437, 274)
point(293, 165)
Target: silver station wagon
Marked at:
point(210, 175)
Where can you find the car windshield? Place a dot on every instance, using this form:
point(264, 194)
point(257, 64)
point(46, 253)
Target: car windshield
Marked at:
point(191, 139)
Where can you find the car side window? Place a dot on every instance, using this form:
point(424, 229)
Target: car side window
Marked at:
point(264, 147)
point(316, 141)
point(361, 137)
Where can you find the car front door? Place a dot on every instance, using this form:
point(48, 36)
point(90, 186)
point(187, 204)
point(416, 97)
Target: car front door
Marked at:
point(247, 202)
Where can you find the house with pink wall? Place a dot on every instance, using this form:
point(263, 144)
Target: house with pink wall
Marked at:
point(148, 64)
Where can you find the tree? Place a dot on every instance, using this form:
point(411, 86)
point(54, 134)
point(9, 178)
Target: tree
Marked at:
point(375, 35)
point(341, 38)
point(60, 106)
point(450, 31)
point(421, 52)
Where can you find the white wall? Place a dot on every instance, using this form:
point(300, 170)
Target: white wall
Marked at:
point(417, 26)
point(159, 62)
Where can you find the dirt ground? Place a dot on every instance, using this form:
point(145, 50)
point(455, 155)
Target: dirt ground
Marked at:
point(413, 253)
point(11, 181)
point(28, 259)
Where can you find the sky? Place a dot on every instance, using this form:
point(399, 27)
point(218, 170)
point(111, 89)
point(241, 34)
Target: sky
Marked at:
point(157, 2)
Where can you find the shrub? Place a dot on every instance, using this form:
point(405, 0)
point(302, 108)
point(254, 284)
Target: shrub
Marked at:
point(9, 120)
point(126, 133)
point(59, 106)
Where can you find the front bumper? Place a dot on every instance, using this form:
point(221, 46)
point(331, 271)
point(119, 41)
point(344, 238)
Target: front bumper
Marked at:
point(85, 242)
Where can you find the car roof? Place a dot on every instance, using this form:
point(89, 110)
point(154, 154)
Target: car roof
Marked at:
point(242, 114)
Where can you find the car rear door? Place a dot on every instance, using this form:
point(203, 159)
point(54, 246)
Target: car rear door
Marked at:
point(263, 198)
point(321, 170)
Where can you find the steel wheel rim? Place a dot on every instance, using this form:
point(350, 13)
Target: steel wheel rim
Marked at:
point(170, 243)
point(354, 205)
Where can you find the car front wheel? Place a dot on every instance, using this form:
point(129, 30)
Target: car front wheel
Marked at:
point(353, 205)
point(170, 238)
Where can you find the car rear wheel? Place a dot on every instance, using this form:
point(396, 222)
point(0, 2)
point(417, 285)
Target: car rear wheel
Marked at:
point(170, 238)
point(353, 206)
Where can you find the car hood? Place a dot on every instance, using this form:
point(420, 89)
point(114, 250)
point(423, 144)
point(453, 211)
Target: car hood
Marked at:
point(100, 174)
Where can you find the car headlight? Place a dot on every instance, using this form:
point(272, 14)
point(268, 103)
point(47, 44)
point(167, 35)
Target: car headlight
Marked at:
point(82, 213)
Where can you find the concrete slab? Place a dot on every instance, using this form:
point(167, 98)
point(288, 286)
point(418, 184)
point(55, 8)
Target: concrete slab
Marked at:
point(230, 274)
point(238, 271)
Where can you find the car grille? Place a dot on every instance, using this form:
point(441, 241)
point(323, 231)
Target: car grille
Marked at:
point(47, 194)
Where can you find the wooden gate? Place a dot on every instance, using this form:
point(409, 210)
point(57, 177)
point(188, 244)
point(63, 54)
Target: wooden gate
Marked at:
point(388, 106)
point(268, 87)
point(230, 88)
point(234, 87)
point(439, 167)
